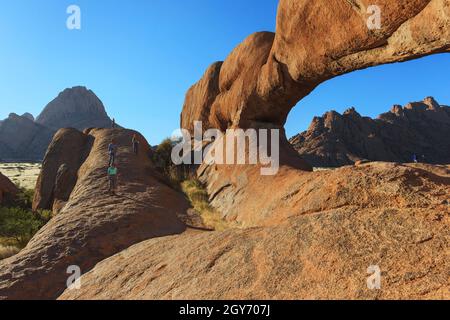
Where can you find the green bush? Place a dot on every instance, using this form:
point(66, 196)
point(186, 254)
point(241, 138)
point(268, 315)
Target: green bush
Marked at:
point(183, 178)
point(198, 196)
point(23, 199)
point(162, 156)
point(20, 224)
point(162, 159)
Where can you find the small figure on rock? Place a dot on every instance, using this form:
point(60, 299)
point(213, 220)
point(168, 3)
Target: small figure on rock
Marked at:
point(112, 150)
point(415, 158)
point(112, 177)
point(135, 143)
point(113, 123)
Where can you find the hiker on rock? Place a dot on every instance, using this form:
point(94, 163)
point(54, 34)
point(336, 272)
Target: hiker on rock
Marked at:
point(112, 150)
point(112, 177)
point(135, 143)
point(113, 123)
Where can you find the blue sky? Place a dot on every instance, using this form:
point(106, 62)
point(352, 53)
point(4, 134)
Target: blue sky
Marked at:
point(141, 56)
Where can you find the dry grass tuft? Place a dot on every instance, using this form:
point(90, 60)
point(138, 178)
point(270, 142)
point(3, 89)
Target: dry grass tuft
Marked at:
point(198, 197)
point(8, 251)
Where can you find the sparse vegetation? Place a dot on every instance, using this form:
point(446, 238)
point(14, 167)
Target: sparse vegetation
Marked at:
point(198, 197)
point(162, 158)
point(18, 224)
point(184, 179)
point(162, 155)
point(8, 251)
point(24, 199)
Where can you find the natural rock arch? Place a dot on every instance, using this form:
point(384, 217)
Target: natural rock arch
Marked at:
point(268, 74)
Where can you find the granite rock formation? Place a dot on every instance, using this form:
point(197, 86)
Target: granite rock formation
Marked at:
point(418, 129)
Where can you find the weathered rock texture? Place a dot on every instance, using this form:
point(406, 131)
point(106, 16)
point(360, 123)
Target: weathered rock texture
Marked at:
point(393, 216)
point(22, 138)
point(91, 225)
point(7, 188)
point(419, 128)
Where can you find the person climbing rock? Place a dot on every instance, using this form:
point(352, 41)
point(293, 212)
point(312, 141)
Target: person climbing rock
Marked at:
point(113, 123)
point(112, 150)
point(135, 143)
point(112, 177)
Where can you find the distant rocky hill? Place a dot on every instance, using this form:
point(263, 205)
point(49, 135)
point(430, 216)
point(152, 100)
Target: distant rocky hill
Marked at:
point(420, 128)
point(24, 138)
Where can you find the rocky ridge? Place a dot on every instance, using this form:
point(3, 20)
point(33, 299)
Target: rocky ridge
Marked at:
point(419, 129)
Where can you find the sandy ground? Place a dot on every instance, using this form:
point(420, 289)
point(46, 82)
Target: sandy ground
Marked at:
point(22, 174)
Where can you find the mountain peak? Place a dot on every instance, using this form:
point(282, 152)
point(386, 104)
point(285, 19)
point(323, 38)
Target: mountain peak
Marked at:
point(432, 103)
point(397, 109)
point(28, 115)
point(76, 107)
point(351, 112)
